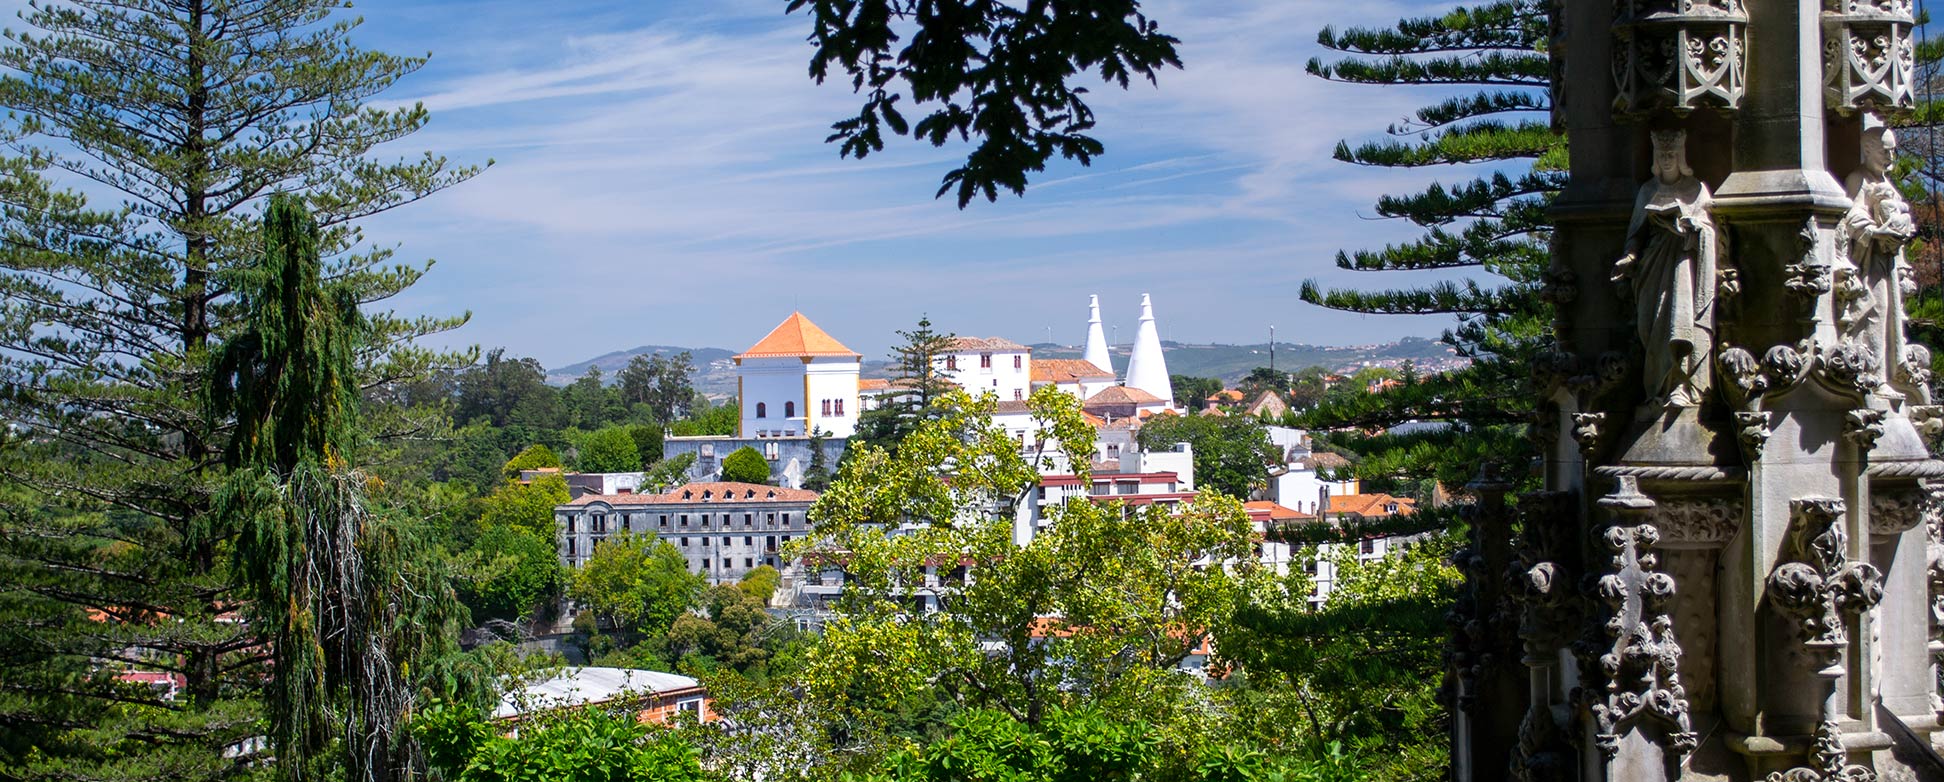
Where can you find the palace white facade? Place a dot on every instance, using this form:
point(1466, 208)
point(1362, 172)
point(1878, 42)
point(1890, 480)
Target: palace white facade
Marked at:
point(797, 380)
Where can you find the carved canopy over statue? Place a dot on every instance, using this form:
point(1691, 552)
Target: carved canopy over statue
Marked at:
point(1873, 234)
point(1672, 252)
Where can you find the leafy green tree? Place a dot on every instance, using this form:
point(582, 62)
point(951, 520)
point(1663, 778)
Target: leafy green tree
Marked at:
point(1079, 745)
point(919, 381)
point(1495, 224)
point(816, 476)
point(569, 745)
point(533, 457)
point(612, 449)
point(730, 631)
point(527, 507)
point(1364, 669)
point(674, 387)
point(1130, 587)
point(1017, 99)
point(746, 465)
point(1232, 453)
point(1191, 391)
point(590, 402)
point(668, 473)
point(636, 381)
point(647, 441)
point(718, 420)
point(507, 573)
point(761, 582)
point(507, 392)
point(109, 305)
point(637, 583)
point(342, 617)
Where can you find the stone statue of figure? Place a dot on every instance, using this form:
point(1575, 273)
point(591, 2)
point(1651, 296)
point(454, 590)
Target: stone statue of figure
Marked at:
point(1672, 251)
point(1873, 234)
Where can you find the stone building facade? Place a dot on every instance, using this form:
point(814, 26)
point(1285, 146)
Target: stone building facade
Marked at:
point(723, 529)
point(1729, 573)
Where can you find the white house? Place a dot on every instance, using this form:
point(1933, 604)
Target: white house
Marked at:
point(993, 365)
point(795, 380)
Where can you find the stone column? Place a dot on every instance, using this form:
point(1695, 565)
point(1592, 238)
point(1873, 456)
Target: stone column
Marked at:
point(1731, 417)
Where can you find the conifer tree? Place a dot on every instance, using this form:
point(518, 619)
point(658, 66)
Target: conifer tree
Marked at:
point(915, 388)
point(1494, 227)
point(182, 116)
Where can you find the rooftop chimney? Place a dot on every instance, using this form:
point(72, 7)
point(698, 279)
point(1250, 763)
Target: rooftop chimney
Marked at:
point(1096, 339)
point(1146, 368)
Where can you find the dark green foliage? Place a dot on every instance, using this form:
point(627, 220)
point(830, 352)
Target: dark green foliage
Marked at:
point(668, 473)
point(1496, 224)
point(612, 449)
point(816, 476)
point(719, 419)
point(347, 600)
point(648, 443)
point(746, 465)
point(730, 631)
point(1191, 391)
point(1068, 746)
point(1232, 453)
point(917, 383)
point(999, 72)
point(508, 572)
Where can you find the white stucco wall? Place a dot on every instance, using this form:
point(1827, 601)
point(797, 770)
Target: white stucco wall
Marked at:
point(1010, 377)
point(779, 384)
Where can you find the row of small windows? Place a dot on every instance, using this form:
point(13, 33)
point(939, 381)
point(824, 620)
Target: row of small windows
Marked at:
point(762, 409)
point(599, 523)
point(985, 362)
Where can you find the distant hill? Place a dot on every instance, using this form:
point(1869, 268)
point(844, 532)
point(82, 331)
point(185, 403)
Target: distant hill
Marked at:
point(716, 373)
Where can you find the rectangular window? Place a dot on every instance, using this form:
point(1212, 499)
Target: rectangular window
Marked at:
point(684, 521)
point(570, 524)
point(726, 565)
point(840, 408)
point(748, 519)
point(1369, 546)
point(985, 360)
point(951, 363)
point(684, 542)
point(749, 540)
point(1019, 362)
point(600, 524)
point(570, 547)
point(749, 562)
point(664, 521)
point(770, 543)
point(772, 520)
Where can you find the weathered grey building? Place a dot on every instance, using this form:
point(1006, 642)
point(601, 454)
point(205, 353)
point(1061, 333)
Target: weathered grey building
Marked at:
point(723, 529)
point(789, 457)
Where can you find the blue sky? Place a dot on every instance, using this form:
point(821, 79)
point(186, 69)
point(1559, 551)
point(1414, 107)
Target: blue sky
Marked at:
point(660, 177)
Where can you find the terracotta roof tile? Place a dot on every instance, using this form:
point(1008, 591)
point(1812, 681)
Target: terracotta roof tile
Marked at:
point(1123, 395)
point(1275, 511)
point(1067, 370)
point(797, 337)
point(1369, 505)
point(698, 493)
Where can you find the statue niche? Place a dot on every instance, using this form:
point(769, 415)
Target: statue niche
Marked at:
point(1873, 235)
point(1673, 249)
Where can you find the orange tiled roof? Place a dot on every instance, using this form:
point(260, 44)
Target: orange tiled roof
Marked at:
point(873, 384)
point(797, 337)
point(1067, 370)
point(710, 491)
point(1123, 395)
point(1275, 511)
point(1226, 395)
point(1370, 505)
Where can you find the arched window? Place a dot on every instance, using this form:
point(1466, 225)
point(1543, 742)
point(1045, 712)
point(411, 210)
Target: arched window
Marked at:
point(789, 409)
point(762, 410)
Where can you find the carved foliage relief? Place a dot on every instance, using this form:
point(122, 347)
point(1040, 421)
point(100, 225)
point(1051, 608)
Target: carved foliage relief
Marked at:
point(1679, 54)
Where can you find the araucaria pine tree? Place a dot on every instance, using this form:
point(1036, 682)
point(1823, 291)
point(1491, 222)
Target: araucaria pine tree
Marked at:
point(182, 116)
point(1495, 225)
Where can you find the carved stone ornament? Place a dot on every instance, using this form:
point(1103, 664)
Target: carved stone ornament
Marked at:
point(1868, 57)
point(1893, 512)
point(1810, 278)
point(1538, 581)
point(1640, 664)
point(1741, 376)
point(1851, 366)
point(1828, 762)
point(1752, 431)
point(1932, 514)
point(1588, 428)
point(1914, 372)
point(1673, 250)
point(1783, 366)
point(1819, 586)
point(1699, 521)
point(1864, 427)
point(1679, 55)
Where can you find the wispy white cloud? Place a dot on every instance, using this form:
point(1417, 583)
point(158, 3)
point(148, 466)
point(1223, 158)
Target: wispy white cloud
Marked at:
point(662, 177)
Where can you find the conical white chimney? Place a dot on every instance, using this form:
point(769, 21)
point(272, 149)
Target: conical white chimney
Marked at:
point(1096, 339)
point(1146, 369)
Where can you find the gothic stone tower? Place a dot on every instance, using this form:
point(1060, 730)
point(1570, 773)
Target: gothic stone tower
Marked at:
point(1729, 574)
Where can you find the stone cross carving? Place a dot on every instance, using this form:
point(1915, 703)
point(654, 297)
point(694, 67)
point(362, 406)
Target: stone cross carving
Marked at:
point(1641, 661)
point(1823, 591)
point(1673, 249)
point(1871, 252)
